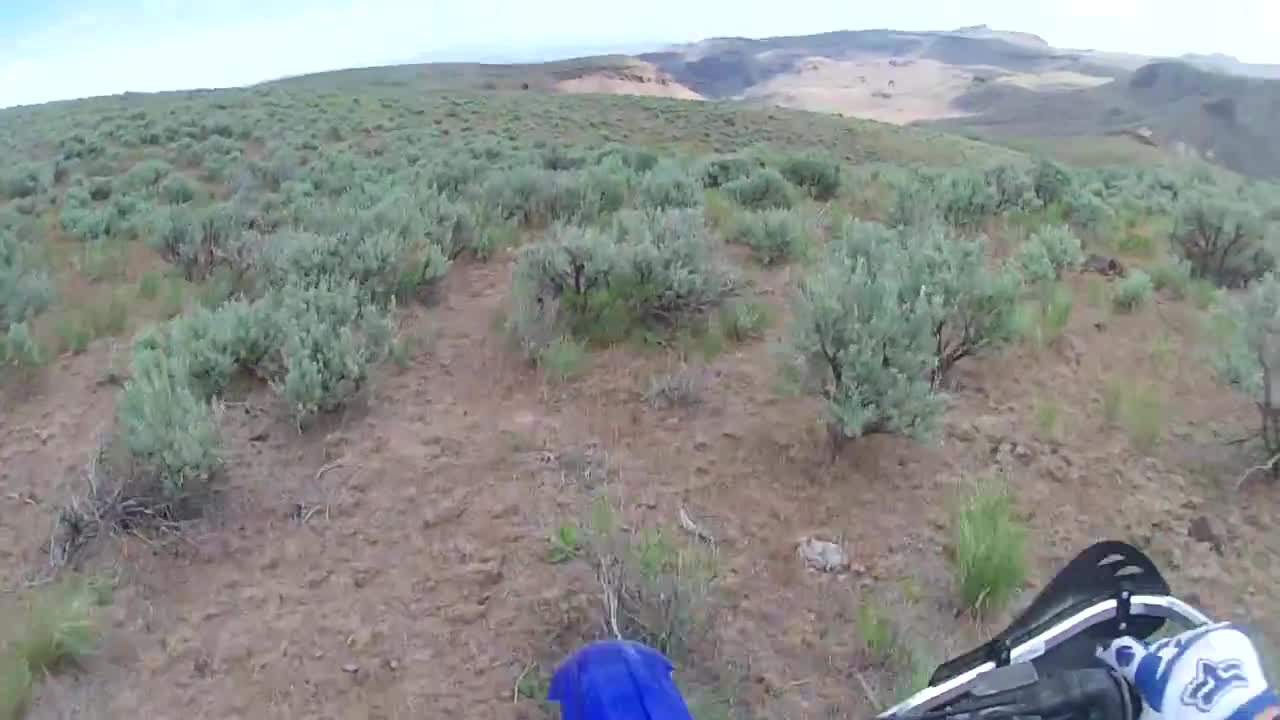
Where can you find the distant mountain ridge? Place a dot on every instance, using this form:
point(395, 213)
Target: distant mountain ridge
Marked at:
point(998, 85)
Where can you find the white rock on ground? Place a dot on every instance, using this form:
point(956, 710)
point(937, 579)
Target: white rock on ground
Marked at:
point(823, 556)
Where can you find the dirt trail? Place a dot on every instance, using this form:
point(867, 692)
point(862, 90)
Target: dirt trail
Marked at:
point(390, 564)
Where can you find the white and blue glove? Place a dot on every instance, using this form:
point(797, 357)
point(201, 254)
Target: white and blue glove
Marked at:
point(1209, 673)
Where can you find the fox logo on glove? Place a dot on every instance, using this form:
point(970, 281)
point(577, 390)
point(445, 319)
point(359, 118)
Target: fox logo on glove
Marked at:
point(1212, 681)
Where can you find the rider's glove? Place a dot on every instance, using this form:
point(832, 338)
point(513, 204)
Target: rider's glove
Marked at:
point(1209, 673)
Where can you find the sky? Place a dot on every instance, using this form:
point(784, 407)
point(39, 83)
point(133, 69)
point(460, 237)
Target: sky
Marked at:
point(57, 49)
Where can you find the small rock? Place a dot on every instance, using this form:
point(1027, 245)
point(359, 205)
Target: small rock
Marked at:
point(992, 427)
point(393, 665)
point(1201, 530)
point(964, 433)
point(351, 668)
point(823, 556)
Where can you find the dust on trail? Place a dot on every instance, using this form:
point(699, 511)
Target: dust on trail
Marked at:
point(390, 562)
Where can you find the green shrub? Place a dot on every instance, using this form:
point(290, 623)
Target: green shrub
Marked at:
point(773, 235)
point(89, 223)
point(965, 199)
point(1050, 182)
point(177, 190)
point(521, 194)
point(720, 171)
point(175, 234)
point(669, 186)
point(331, 337)
point(1047, 253)
point(819, 175)
point(25, 288)
point(382, 265)
point(990, 563)
point(1089, 213)
point(977, 304)
point(453, 226)
point(1132, 291)
point(204, 344)
point(100, 189)
point(761, 190)
point(1034, 261)
point(22, 181)
point(168, 429)
point(649, 268)
point(1012, 188)
point(1247, 335)
point(586, 195)
point(881, 321)
point(914, 203)
point(144, 176)
point(1222, 240)
point(872, 356)
point(19, 349)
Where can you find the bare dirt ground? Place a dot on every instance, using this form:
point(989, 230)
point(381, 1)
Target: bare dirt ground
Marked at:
point(638, 79)
point(391, 563)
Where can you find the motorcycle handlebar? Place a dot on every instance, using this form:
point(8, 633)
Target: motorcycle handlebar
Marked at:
point(1085, 694)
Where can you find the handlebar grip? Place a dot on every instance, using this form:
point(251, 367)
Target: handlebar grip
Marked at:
point(1083, 694)
point(1087, 694)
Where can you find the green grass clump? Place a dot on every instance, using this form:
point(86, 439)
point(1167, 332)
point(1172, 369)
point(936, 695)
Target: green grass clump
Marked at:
point(149, 285)
point(1136, 409)
point(1202, 293)
point(744, 319)
point(1172, 276)
point(876, 632)
point(15, 687)
point(1042, 321)
point(990, 562)
point(56, 631)
point(1048, 412)
point(565, 544)
point(1132, 292)
point(563, 359)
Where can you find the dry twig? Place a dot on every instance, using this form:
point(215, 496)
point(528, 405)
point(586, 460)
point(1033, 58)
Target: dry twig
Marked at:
point(694, 529)
point(866, 688)
point(515, 692)
point(1268, 465)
